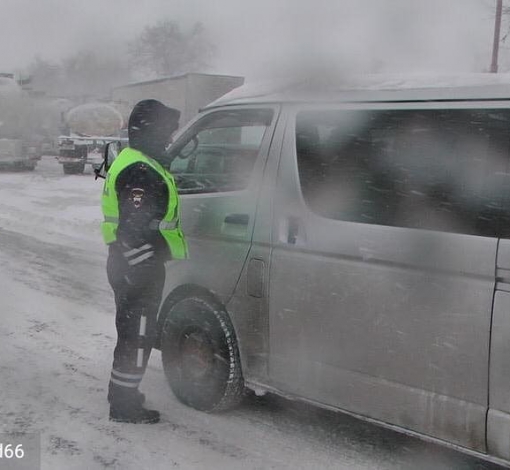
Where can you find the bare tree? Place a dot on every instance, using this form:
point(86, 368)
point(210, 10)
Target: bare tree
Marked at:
point(505, 25)
point(88, 73)
point(165, 49)
point(46, 76)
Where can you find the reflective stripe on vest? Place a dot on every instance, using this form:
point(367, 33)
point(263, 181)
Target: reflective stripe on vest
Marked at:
point(169, 226)
point(163, 224)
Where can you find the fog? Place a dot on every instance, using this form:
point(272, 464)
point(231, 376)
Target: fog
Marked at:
point(264, 37)
point(373, 292)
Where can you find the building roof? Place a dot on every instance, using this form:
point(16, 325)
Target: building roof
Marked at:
point(373, 88)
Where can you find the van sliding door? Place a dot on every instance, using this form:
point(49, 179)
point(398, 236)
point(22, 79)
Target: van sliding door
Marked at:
point(498, 418)
point(383, 267)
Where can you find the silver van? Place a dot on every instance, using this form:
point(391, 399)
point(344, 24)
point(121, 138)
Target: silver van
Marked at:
point(348, 248)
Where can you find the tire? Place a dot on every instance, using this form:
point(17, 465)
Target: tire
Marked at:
point(73, 168)
point(21, 166)
point(30, 166)
point(200, 355)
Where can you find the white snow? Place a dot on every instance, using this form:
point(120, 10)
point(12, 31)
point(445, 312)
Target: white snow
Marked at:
point(312, 81)
point(57, 337)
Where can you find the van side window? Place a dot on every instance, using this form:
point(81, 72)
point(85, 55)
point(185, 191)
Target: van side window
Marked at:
point(440, 170)
point(218, 153)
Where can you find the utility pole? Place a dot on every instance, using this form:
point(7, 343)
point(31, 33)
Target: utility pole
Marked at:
point(497, 30)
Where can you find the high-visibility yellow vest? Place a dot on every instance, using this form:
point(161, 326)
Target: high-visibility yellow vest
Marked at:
point(169, 226)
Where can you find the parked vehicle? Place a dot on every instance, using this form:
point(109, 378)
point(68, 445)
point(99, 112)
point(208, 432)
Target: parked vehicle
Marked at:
point(188, 92)
point(89, 127)
point(17, 149)
point(350, 249)
point(16, 155)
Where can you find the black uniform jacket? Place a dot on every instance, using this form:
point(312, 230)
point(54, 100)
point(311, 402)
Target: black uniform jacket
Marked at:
point(143, 197)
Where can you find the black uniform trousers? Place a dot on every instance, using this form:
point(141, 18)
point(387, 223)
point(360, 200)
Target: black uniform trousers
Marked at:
point(138, 291)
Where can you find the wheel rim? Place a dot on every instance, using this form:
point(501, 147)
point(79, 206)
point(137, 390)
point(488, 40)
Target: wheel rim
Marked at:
point(197, 354)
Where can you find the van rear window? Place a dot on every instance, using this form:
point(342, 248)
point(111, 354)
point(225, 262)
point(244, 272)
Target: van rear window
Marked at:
point(443, 170)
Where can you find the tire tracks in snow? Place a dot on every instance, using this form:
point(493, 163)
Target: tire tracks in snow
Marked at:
point(74, 274)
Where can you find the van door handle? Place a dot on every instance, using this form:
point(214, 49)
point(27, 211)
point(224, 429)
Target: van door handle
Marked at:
point(293, 230)
point(237, 219)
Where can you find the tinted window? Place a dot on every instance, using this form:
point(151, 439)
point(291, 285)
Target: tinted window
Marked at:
point(430, 169)
point(218, 153)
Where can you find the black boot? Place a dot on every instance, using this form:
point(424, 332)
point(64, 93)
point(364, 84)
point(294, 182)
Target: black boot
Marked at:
point(135, 413)
point(138, 396)
point(126, 406)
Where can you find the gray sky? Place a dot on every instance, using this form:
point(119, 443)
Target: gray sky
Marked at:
point(257, 38)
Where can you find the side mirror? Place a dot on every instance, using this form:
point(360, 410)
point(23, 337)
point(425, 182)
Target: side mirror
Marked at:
point(182, 150)
point(188, 149)
point(111, 150)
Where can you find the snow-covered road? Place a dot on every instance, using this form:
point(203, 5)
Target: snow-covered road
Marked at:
point(56, 342)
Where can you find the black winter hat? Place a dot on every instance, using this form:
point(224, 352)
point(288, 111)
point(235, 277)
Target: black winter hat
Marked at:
point(151, 123)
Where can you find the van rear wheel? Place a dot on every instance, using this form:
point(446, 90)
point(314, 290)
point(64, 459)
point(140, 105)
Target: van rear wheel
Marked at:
point(200, 355)
point(29, 165)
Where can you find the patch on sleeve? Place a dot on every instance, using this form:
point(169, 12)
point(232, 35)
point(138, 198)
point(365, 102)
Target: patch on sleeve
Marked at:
point(136, 197)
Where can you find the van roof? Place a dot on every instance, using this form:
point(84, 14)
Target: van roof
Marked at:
point(372, 88)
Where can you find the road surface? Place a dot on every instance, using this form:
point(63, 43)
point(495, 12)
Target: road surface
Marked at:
point(56, 343)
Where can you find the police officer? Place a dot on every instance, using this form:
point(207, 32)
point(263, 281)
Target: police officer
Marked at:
point(142, 230)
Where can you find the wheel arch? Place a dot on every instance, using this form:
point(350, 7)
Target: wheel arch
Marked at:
point(200, 306)
point(181, 292)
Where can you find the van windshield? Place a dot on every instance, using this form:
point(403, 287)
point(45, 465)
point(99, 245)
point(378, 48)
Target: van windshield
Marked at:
point(218, 153)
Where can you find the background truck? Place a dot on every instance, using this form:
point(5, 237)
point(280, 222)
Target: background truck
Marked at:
point(19, 150)
point(87, 129)
point(188, 93)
